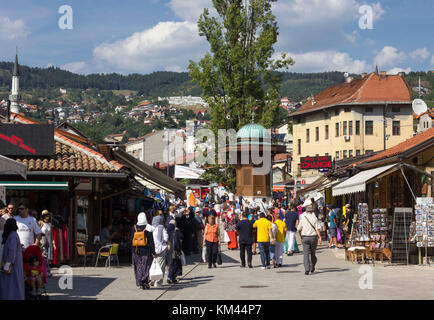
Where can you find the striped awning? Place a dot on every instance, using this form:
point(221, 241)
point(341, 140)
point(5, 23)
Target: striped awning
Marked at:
point(34, 185)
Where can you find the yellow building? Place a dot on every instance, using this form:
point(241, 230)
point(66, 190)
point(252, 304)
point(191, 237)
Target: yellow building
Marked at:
point(351, 119)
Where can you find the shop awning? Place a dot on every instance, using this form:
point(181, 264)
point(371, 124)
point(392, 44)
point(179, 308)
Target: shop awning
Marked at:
point(34, 185)
point(313, 186)
point(150, 174)
point(8, 166)
point(358, 182)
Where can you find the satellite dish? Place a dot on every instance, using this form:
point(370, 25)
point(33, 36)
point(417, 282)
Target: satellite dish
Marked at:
point(419, 106)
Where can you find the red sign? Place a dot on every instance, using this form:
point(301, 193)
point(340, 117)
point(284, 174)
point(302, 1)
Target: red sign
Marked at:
point(316, 162)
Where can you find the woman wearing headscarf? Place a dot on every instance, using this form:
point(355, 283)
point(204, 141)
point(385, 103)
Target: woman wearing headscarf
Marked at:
point(143, 255)
point(175, 243)
point(12, 275)
point(186, 227)
point(160, 240)
point(230, 224)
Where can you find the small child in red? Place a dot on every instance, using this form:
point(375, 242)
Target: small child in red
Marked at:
point(33, 275)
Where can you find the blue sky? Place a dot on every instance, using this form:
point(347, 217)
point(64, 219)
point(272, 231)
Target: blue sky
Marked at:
point(142, 36)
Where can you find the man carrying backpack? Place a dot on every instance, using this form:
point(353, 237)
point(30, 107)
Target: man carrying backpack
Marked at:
point(143, 250)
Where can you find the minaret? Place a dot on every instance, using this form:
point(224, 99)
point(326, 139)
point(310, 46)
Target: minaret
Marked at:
point(14, 97)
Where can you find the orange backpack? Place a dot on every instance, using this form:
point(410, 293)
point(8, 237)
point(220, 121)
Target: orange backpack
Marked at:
point(140, 239)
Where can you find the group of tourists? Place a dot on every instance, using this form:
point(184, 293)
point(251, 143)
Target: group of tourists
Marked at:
point(269, 227)
point(20, 230)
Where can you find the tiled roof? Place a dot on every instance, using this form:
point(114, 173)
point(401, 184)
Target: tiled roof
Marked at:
point(69, 155)
point(402, 147)
point(370, 89)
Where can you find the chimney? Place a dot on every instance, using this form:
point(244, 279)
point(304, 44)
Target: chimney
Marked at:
point(364, 74)
point(349, 79)
point(383, 73)
point(401, 74)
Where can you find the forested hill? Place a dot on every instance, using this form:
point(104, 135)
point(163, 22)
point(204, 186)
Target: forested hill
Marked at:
point(296, 86)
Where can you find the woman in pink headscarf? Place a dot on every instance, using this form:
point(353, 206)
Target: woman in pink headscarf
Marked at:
point(230, 222)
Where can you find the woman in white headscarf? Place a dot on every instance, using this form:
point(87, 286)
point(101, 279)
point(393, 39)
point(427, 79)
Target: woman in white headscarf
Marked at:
point(143, 255)
point(160, 240)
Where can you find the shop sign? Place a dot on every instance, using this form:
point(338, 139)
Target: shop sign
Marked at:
point(27, 139)
point(321, 162)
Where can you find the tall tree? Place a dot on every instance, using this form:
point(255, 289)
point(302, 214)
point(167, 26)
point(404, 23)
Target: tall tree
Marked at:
point(238, 76)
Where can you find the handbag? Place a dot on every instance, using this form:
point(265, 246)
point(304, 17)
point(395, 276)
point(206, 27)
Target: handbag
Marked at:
point(338, 235)
point(183, 261)
point(226, 237)
point(155, 270)
point(219, 257)
point(204, 254)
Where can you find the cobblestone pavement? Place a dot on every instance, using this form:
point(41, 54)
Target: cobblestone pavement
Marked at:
point(334, 277)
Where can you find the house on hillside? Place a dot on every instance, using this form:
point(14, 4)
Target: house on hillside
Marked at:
point(424, 121)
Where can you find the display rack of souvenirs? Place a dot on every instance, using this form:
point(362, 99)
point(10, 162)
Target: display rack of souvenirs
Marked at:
point(381, 228)
point(424, 213)
point(362, 224)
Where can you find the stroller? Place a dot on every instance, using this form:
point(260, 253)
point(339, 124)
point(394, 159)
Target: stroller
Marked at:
point(28, 254)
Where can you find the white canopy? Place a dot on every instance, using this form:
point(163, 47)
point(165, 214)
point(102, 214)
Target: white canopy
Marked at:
point(182, 172)
point(357, 183)
point(8, 166)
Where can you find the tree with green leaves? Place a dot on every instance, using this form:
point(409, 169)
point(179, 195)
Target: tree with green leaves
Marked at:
point(238, 75)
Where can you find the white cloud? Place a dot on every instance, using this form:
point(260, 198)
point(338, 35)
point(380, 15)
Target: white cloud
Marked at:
point(432, 60)
point(10, 30)
point(318, 25)
point(189, 10)
point(319, 61)
point(76, 67)
point(378, 11)
point(389, 56)
point(301, 13)
point(420, 54)
point(166, 45)
point(396, 70)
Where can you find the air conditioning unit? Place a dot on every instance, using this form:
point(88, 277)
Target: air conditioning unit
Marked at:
point(347, 138)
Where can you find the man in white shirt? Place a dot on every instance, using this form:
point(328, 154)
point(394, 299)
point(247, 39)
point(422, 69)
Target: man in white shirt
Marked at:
point(309, 228)
point(263, 206)
point(28, 228)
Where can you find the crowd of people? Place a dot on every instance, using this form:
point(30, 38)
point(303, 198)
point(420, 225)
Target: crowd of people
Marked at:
point(166, 237)
point(20, 230)
point(267, 226)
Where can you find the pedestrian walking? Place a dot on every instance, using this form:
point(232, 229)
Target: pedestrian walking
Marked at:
point(47, 243)
point(309, 229)
point(264, 237)
point(160, 241)
point(253, 217)
point(211, 241)
point(144, 254)
point(245, 231)
point(230, 222)
point(280, 239)
point(333, 224)
point(28, 228)
point(12, 273)
point(270, 218)
point(175, 234)
point(291, 221)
